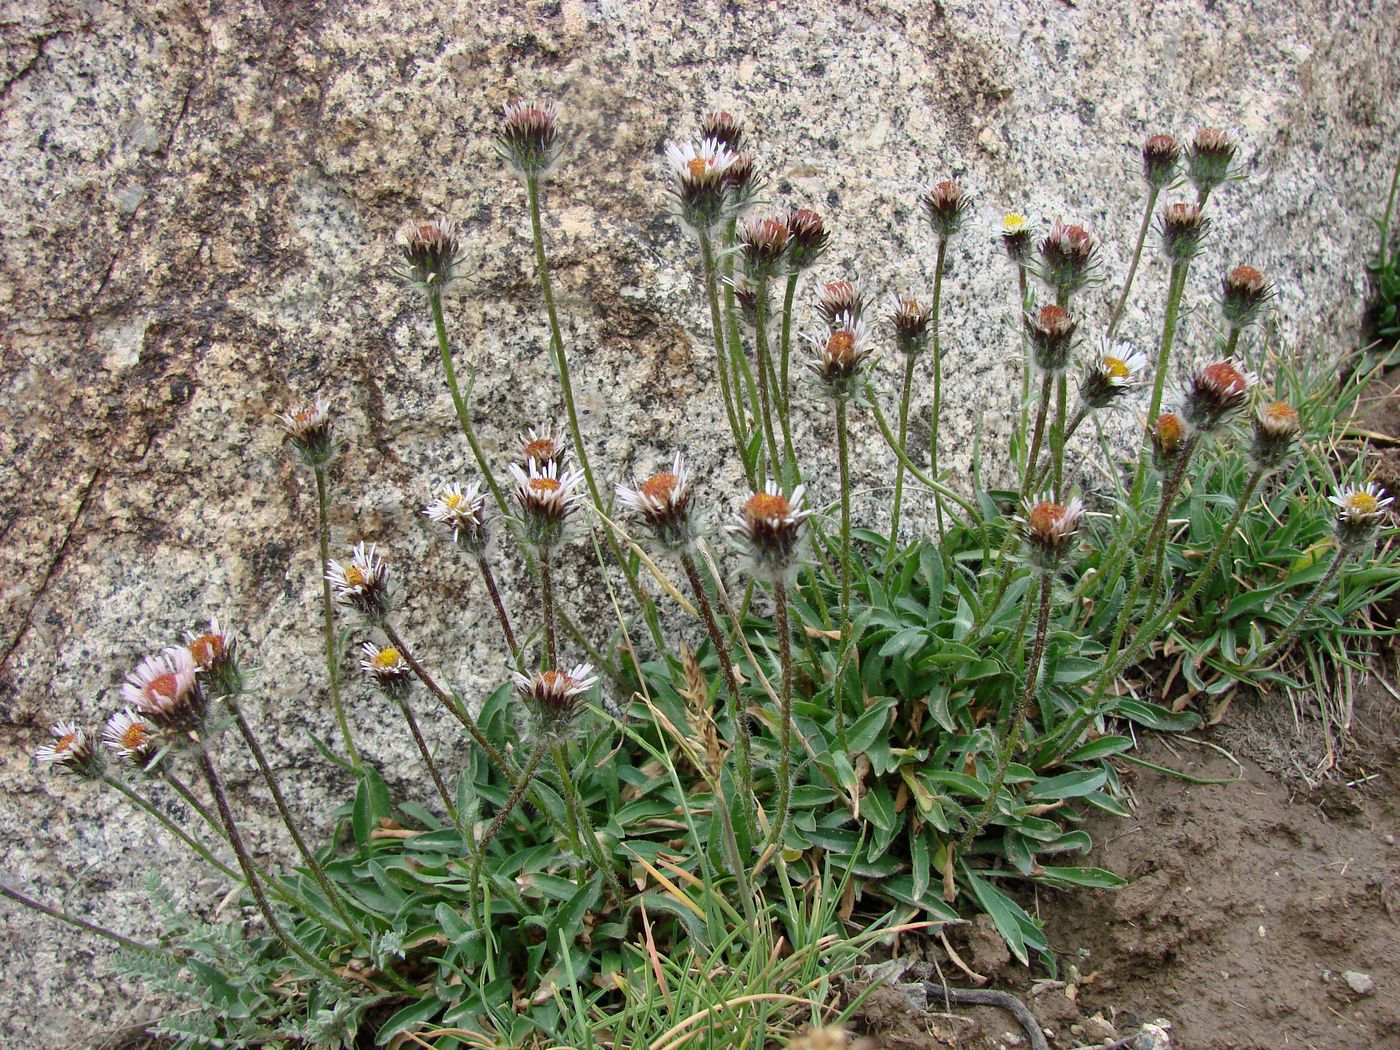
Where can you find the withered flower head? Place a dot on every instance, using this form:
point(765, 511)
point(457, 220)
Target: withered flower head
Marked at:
point(912, 323)
point(551, 699)
point(662, 501)
point(1115, 370)
point(165, 688)
point(528, 138)
point(947, 206)
point(764, 242)
point(1170, 434)
point(1217, 391)
point(362, 583)
point(1183, 227)
point(310, 429)
point(464, 512)
point(770, 533)
point(724, 128)
point(808, 239)
point(1160, 157)
point(698, 181)
point(1049, 528)
point(430, 255)
point(71, 751)
point(1244, 291)
point(387, 669)
point(1360, 511)
point(839, 356)
point(742, 182)
point(1275, 431)
point(1209, 158)
point(1068, 258)
point(1051, 331)
point(547, 499)
point(838, 298)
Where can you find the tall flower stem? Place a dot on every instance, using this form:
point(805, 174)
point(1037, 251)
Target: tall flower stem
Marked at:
point(791, 473)
point(464, 416)
point(780, 816)
point(1175, 289)
point(427, 756)
point(323, 535)
point(1027, 357)
point(737, 708)
point(1058, 435)
point(1038, 434)
point(1319, 591)
point(551, 654)
point(144, 804)
point(585, 826)
point(489, 578)
point(905, 393)
point(1146, 224)
point(1384, 254)
point(82, 924)
point(1022, 713)
point(250, 875)
point(722, 361)
point(527, 775)
point(739, 364)
point(843, 456)
point(937, 374)
point(333, 896)
point(765, 371)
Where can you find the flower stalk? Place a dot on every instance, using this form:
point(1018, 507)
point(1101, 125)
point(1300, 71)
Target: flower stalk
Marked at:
point(333, 654)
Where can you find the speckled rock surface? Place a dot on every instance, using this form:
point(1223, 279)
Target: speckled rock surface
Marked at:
point(195, 217)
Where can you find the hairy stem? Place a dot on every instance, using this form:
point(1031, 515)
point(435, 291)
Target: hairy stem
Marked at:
point(551, 653)
point(323, 534)
point(1175, 289)
point(937, 375)
point(82, 924)
point(1143, 227)
point(527, 775)
point(765, 370)
point(905, 393)
point(589, 837)
point(722, 362)
point(843, 456)
point(464, 417)
point(489, 578)
point(780, 816)
point(143, 803)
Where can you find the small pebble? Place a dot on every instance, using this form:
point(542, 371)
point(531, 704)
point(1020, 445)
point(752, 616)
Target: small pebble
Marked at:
point(1360, 983)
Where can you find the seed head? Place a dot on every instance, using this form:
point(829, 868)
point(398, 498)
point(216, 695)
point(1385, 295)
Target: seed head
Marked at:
point(1068, 258)
point(1017, 235)
point(808, 239)
point(1183, 227)
point(1050, 528)
point(547, 500)
point(839, 356)
point(770, 533)
point(464, 512)
point(131, 737)
point(165, 688)
point(528, 138)
point(724, 128)
point(309, 427)
point(947, 206)
point(1051, 331)
point(698, 187)
point(362, 583)
point(662, 501)
point(1209, 158)
point(1115, 370)
point(1244, 291)
point(387, 669)
point(551, 699)
point(1218, 391)
point(1170, 434)
point(912, 324)
point(839, 298)
point(1360, 512)
point(764, 242)
point(1160, 157)
point(430, 255)
point(215, 655)
point(1275, 431)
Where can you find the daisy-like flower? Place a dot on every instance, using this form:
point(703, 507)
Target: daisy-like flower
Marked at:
point(542, 447)
point(1016, 232)
point(1275, 431)
point(1360, 511)
point(1183, 227)
point(387, 669)
point(1115, 370)
point(464, 512)
point(70, 751)
point(764, 241)
point(215, 655)
point(1069, 257)
point(1243, 293)
point(1160, 157)
point(362, 583)
point(808, 240)
point(771, 534)
point(1218, 391)
point(946, 205)
point(839, 356)
point(547, 500)
point(310, 429)
point(724, 128)
point(1051, 332)
point(662, 501)
point(699, 187)
point(130, 736)
point(840, 298)
point(528, 138)
point(1209, 158)
point(1169, 433)
point(165, 688)
point(430, 255)
point(552, 698)
point(1050, 529)
point(911, 321)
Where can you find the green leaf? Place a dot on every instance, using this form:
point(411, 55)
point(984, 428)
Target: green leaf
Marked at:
point(1097, 878)
point(866, 729)
point(371, 805)
point(1070, 785)
point(1100, 748)
point(1017, 929)
point(413, 1014)
point(1155, 717)
point(960, 782)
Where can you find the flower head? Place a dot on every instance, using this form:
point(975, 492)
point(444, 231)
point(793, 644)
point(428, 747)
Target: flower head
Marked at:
point(1051, 331)
point(839, 356)
point(1360, 511)
point(1243, 293)
point(1115, 369)
point(387, 669)
point(1160, 157)
point(130, 736)
point(528, 138)
point(912, 322)
point(1216, 392)
point(1275, 432)
point(946, 206)
point(310, 429)
point(764, 242)
point(662, 501)
point(742, 181)
point(1069, 257)
point(552, 698)
point(1050, 528)
point(808, 239)
point(362, 583)
point(547, 499)
point(215, 655)
point(724, 128)
point(464, 512)
point(1169, 434)
point(1209, 157)
point(839, 298)
point(430, 254)
point(771, 535)
point(745, 297)
point(165, 688)
point(71, 751)
point(698, 187)
point(1017, 235)
point(1183, 226)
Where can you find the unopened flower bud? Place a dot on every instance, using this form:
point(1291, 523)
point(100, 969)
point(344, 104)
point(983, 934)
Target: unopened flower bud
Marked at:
point(1160, 156)
point(771, 535)
point(1068, 257)
point(1217, 391)
point(1051, 331)
point(1244, 291)
point(724, 128)
point(839, 357)
point(1050, 529)
point(1170, 436)
point(947, 206)
point(1275, 431)
point(912, 323)
point(430, 255)
point(1183, 227)
point(662, 501)
point(808, 240)
point(528, 138)
point(1209, 158)
point(310, 430)
point(764, 242)
point(215, 655)
point(840, 298)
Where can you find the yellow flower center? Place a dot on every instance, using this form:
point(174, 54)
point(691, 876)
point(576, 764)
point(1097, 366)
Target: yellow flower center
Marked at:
point(1115, 368)
point(698, 167)
point(65, 743)
point(1362, 503)
point(766, 506)
point(453, 500)
point(544, 485)
point(1013, 222)
point(387, 658)
point(660, 487)
point(355, 577)
point(135, 736)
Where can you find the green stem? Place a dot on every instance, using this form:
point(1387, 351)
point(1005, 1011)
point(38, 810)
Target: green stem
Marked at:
point(427, 757)
point(585, 826)
point(937, 375)
point(489, 578)
point(1175, 289)
point(1057, 435)
point(1146, 224)
point(906, 392)
point(1038, 435)
point(780, 816)
point(765, 370)
point(1027, 358)
point(82, 924)
point(517, 793)
point(722, 363)
point(551, 653)
point(323, 534)
point(146, 805)
point(843, 456)
point(1318, 593)
point(791, 474)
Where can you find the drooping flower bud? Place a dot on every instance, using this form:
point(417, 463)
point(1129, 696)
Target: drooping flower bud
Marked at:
point(724, 128)
point(1183, 227)
point(1217, 391)
point(947, 206)
point(1274, 435)
point(215, 655)
point(764, 242)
